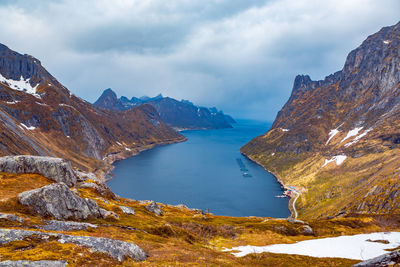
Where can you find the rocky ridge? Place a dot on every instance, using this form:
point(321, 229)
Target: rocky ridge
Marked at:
point(338, 138)
point(56, 169)
point(178, 114)
point(39, 116)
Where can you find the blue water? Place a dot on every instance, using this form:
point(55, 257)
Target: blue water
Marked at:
point(202, 173)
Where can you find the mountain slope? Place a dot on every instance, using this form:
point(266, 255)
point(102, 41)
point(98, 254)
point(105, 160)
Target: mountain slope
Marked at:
point(178, 114)
point(337, 140)
point(39, 116)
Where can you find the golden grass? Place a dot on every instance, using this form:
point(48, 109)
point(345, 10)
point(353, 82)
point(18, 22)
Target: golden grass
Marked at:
point(180, 237)
point(13, 184)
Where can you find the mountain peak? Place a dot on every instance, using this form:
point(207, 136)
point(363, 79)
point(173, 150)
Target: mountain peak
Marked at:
point(108, 99)
point(109, 92)
point(301, 82)
point(3, 47)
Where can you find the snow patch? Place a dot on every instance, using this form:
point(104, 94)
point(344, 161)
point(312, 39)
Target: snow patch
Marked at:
point(13, 102)
point(65, 105)
point(28, 128)
point(332, 133)
point(21, 85)
point(357, 247)
point(42, 104)
point(358, 137)
point(285, 130)
point(339, 160)
point(352, 133)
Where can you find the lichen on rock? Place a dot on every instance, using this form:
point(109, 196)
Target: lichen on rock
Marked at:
point(55, 169)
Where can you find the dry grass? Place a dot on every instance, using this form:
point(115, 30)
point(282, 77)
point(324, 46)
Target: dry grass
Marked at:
point(180, 237)
point(13, 184)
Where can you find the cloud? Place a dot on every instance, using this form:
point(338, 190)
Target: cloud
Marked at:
point(241, 56)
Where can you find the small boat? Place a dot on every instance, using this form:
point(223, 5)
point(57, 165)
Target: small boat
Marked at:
point(246, 174)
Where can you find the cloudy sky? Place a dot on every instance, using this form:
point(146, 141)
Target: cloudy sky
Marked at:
point(238, 55)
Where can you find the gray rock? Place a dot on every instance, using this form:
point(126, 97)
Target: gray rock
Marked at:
point(58, 201)
point(106, 213)
point(127, 210)
point(154, 208)
point(182, 206)
point(116, 248)
point(11, 217)
point(389, 259)
point(56, 169)
point(307, 230)
point(101, 188)
point(43, 263)
point(54, 225)
point(83, 176)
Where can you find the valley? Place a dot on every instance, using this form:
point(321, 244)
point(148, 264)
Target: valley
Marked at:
point(195, 197)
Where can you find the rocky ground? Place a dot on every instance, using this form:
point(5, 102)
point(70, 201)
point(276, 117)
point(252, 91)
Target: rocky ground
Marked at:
point(45, 222)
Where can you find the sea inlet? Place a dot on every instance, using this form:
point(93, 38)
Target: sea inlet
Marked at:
point(205, 172)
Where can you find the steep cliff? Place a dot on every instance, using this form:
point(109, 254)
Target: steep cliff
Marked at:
point(338, 140)
point(178, 114)
point(39, 116)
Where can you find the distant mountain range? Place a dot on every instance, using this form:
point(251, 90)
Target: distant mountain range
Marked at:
point(338, 140)
point(177, 114)
point(39, 116)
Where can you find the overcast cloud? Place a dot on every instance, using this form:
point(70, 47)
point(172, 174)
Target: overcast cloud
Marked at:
point(239, 55)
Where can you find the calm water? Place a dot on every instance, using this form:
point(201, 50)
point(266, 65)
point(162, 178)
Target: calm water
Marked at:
point(202, 173)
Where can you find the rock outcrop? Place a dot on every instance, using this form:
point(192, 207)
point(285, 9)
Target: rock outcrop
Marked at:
point(43, 263)
point(58, 201)
point(154, 208)
point(101, 188)
point(55, 169)
point(54, 225)
point(127, 210)
point(115, 248)
point(11, 217)
point(389, 259)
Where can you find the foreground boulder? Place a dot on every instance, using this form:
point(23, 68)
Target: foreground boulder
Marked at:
point(389, 259)
point(115, 248)
point(58, 201)
point(56, 169)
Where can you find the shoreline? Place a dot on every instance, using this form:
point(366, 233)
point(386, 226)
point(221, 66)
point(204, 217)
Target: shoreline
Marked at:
point(293, 213)
point(110, 159)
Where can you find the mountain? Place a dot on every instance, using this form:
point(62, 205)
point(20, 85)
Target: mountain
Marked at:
point(39, 116)
point(338, 140)
point(178, 114)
